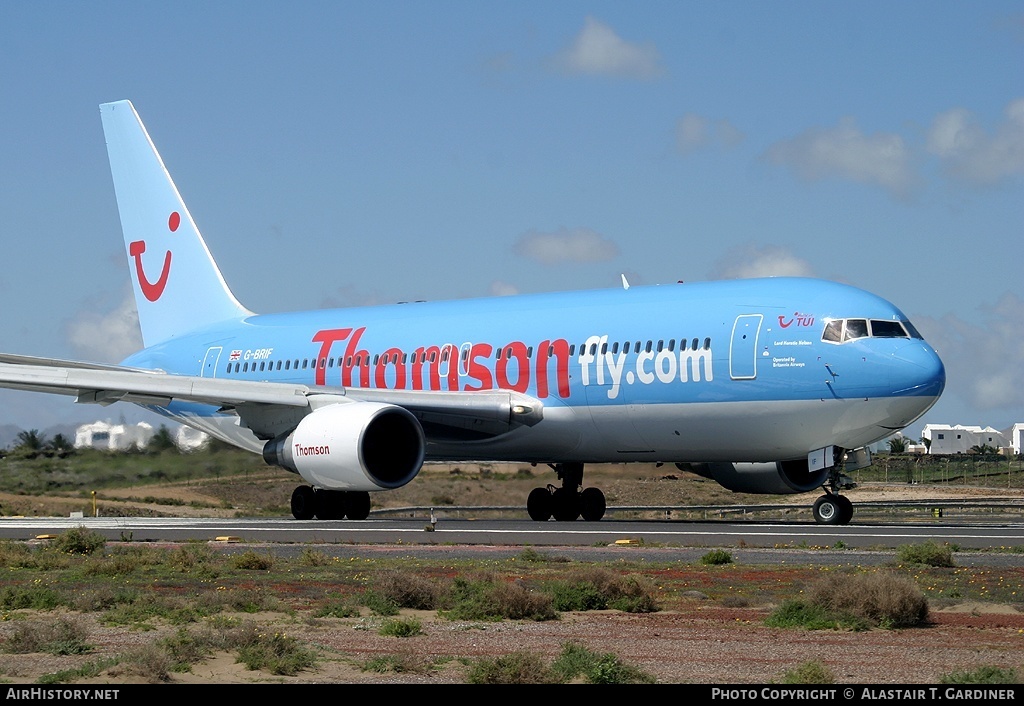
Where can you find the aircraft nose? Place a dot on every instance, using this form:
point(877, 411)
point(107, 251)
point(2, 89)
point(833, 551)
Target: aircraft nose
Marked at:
point(918, 371)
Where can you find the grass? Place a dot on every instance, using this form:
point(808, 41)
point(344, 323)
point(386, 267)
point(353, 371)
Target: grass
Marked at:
point(575, 662)
point(716, 557)
point(221, 478)
point(987, 674)
point(219, 600)
point(855, 601)
point(929, 553)
point(812, 672)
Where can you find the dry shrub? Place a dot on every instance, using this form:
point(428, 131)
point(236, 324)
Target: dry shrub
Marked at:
point(406, 660)
point(408, 590)
point(520, 667)
point(630, 593)
point(63, 635)
point(884, 599)
point(150, 662)
point(516, 601)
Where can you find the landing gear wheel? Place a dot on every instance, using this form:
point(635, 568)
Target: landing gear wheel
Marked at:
point(566, 504)
point(329, 504)
point(846, 507)
point(303, 503)
point(592, 504)
point(829, 510)
point(357, 504)
point(539, 504)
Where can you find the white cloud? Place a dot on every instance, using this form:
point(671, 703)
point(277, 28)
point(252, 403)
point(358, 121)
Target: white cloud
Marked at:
point(106, 337)
point(748, 261)
point(576, 245)
point(968, 153)
point(503, 289)
point(695, 131)
point(844, 151)
point(982, 355)
point(598, 50)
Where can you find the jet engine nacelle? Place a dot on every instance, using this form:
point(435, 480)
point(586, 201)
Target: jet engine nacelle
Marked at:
point(352, 446)
point(773, 478)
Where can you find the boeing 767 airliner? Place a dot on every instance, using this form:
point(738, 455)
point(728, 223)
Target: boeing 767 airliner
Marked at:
point(774, 385)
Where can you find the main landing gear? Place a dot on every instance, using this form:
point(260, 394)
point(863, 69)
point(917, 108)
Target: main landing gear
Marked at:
point(833, 508)
point(568, 502)
point(308, 502)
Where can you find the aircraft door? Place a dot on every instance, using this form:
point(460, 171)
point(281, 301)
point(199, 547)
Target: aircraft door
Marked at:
point(210, 362)
point(743, 347)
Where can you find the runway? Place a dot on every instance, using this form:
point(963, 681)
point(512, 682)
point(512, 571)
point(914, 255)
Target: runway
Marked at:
point(520, 533)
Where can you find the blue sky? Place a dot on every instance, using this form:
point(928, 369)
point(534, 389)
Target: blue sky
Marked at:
point(344, 153)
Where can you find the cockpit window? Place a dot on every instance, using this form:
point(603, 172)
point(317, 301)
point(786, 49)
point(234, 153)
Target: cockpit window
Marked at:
point(833, 331)
point(855, 328)
point(843, 330)
point(911, 330)
point(887, 329)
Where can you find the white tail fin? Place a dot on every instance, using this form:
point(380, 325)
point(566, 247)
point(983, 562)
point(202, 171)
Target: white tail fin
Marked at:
point(177, 284)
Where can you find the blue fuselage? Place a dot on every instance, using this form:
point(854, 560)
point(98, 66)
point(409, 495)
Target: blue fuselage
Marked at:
point(669, 373)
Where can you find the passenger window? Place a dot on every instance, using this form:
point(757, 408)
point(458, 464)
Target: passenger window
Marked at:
point(856, 328)
point(694, 344)
point(707, 344)
point(671, 344)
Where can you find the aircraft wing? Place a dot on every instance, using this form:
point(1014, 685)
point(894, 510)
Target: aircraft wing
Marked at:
point(268, 408)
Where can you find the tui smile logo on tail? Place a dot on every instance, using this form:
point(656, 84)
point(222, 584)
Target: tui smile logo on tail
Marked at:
point(137, 248)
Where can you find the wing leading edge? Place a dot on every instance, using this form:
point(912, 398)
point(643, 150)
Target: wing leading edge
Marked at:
point(269, 409)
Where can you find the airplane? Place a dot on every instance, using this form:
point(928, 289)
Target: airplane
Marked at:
point(773, 385)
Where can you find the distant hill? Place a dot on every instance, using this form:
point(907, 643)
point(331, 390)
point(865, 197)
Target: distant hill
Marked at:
point(8, 435)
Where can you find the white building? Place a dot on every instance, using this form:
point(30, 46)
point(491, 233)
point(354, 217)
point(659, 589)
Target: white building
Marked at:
point(958, 439)
point(1015, 440)
point(113, 437)
point(120, 437)
point(189, 439)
